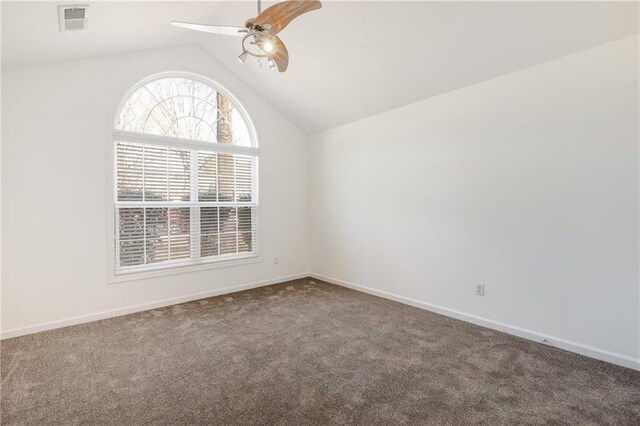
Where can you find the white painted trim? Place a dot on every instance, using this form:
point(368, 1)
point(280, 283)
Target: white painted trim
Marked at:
point(155, 140)
point(589, 351)
point(20, 331)
point(164, 270)
point(113, 132)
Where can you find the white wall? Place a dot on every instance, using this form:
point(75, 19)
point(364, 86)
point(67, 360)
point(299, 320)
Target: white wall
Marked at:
point(55, 137)
point(528, 183)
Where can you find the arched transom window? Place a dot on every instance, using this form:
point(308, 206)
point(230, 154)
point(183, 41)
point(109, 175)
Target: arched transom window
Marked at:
point(185, 177)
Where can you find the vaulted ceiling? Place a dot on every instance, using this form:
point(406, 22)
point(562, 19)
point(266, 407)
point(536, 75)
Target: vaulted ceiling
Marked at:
point(349, 60)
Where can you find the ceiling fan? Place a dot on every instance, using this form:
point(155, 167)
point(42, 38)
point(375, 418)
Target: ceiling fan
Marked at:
point(259, 34)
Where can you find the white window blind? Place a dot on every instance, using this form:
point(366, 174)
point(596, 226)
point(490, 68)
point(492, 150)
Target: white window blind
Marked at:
point(182, 201)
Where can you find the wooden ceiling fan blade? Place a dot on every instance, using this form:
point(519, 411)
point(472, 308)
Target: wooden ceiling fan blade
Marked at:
point(214, 29)
point(278, 16)
point(280, 54)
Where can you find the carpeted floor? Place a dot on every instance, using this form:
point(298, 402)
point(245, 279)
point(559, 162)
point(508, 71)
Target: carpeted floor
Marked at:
point(303, 352)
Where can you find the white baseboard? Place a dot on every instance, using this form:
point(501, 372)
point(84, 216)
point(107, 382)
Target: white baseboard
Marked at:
point(600, 354)
point(578, 348)
point(20, 331)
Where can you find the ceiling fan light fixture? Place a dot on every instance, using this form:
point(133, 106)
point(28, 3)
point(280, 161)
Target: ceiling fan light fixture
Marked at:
point(267, 46)
point(272, 63)
point(243, 57)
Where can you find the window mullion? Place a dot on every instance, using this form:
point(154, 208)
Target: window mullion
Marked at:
point(144, 236)
point(254, 199)
point(168, 209)
point(235, 198)
point(218, 199)
point(144, 210)
point(156, 140)
point(194, 211)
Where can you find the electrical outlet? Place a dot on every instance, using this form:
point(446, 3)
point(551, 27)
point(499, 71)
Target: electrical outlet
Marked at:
point(276, 260)
point(479, 289)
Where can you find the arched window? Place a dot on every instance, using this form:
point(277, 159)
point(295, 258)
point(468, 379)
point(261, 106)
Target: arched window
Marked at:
point(185, 176)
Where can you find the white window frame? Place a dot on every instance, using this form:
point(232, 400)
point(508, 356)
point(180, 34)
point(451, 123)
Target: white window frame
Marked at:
point(117, 135)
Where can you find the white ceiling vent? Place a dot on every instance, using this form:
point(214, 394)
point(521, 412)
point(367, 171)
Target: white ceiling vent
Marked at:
point(73, 17)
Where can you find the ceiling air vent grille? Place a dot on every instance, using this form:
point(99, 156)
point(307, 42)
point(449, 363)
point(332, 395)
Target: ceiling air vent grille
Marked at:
point(73, 17)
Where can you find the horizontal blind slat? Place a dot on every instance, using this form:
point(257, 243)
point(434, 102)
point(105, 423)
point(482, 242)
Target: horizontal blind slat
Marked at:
point(153, 205)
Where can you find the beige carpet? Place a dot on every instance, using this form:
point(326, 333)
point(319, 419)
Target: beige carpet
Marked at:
point(303, 353)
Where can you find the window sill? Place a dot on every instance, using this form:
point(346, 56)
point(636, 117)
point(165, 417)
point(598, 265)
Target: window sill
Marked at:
point(163, 271)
